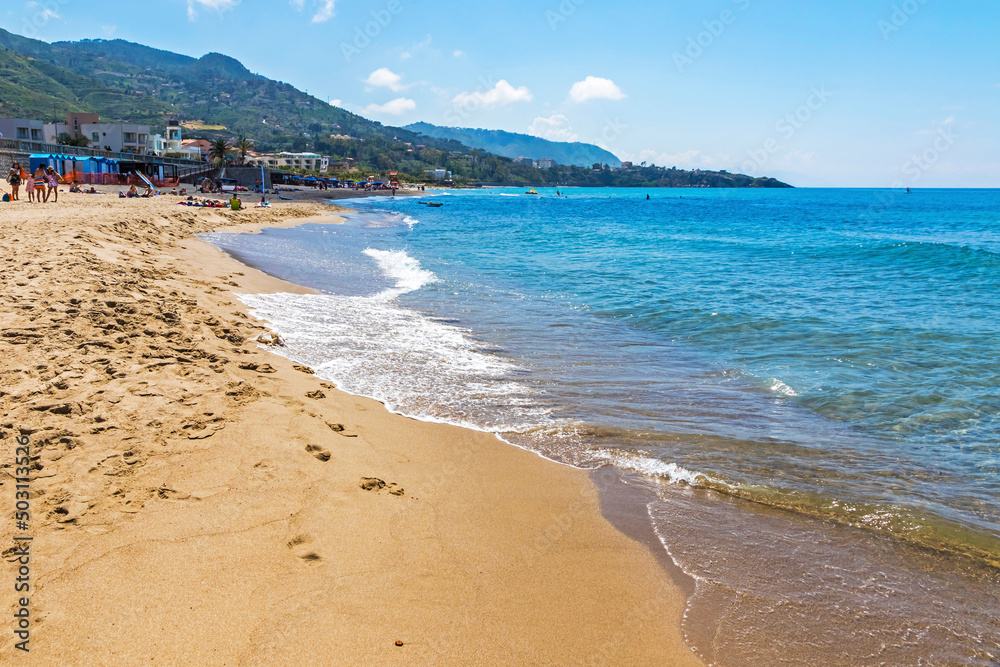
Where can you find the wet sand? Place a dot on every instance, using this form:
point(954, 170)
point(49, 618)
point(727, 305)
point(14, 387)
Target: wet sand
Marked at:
point(198, 500)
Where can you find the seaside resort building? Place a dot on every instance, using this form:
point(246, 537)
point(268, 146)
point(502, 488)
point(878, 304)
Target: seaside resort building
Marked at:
point(113, 137)
point(308, 161)
point(22, 129)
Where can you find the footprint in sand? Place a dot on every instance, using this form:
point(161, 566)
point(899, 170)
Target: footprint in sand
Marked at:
point(304, 369)
point(375, 484)
point(319, 452)
point(300, 547)
point(316, 394)
point(260, 368)
point(339, 429)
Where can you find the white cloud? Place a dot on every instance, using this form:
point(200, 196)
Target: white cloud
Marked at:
point(337, 103)
point(385, 78)
point(219, 6)
point(500, 95)
point(595, 88)
point(458, 53)
point(396, 107)
point(48, 14)
point(109, 30)
point(554, 128)
point(422, 47)
point(325, 12)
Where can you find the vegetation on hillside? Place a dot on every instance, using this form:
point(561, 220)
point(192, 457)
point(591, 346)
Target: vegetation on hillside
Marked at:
point(512, 145)
point(125, 82)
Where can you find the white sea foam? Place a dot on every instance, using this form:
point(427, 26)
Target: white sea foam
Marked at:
point(646, 465)
point(417, 366)
point(402, 268)
point(779, 387)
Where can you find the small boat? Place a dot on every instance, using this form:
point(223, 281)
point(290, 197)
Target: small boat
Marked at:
point(532, 191)
point(434, 205)
point(286, 198)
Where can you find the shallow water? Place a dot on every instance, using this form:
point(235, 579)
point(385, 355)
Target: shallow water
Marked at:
point(780, 347)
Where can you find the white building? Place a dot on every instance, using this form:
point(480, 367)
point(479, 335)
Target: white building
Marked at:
point(114, 137)
point(308, 161)
point(22, 129)
point(546, 163)
point(438, 174)
point(172, 143)
point(525, 161)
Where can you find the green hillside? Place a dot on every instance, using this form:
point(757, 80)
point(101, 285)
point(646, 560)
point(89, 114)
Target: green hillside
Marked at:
point(126, 82)
point(512, 145)
point(122, 81)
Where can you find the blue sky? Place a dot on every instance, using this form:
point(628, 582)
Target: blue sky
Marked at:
point(843, 93)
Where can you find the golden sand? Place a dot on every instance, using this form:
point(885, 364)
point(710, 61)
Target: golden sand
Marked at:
point(196, 500)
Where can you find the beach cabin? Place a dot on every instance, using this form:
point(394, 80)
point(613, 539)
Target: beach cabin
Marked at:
point(93, 170)
point(77, 168)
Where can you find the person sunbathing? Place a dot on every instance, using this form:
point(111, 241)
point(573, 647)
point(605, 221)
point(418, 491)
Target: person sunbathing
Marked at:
point(132, 192)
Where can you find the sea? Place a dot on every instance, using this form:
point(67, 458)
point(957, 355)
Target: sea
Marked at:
point(801, 386)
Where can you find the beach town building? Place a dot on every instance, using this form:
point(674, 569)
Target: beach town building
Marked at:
point(524, 161)
point(22, 129)
point(75, 121)
point(203, 146)
point(172, 143)
point(626, 165)
point(308, 161)
point(346, 165)
point(546, 163)
point(114, 137)
point(438, 174)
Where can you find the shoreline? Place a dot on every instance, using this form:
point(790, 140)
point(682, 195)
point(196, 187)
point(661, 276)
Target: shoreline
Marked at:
point(632, 502)
point(202, 498)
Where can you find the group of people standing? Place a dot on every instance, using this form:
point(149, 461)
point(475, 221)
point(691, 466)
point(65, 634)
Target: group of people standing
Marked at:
point(41, 185)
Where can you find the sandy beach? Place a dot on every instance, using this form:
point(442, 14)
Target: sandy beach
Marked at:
point(195, 499)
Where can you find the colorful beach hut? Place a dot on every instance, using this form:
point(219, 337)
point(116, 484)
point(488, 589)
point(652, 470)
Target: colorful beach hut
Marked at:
point(76, 168)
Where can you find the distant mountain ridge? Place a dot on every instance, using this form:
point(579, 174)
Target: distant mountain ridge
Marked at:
point(513, 145)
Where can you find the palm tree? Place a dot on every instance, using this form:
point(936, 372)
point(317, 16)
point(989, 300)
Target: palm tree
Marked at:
point(243, 146)
point(218, 150)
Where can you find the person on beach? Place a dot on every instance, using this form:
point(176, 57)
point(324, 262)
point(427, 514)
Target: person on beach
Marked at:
point(41, 193)
point(52, 182)
point(235, 203)
point(14, 179)
point(132, 192)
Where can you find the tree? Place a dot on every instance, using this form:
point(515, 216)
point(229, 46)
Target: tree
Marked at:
point(64, 139)
point(218, 150)
point(243, 146)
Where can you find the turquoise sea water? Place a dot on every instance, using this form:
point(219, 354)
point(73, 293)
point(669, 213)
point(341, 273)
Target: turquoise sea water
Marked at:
point(828, 352)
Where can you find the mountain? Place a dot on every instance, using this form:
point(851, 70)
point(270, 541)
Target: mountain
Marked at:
point(219, 97)
point(512, 145)
point(123, 81)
